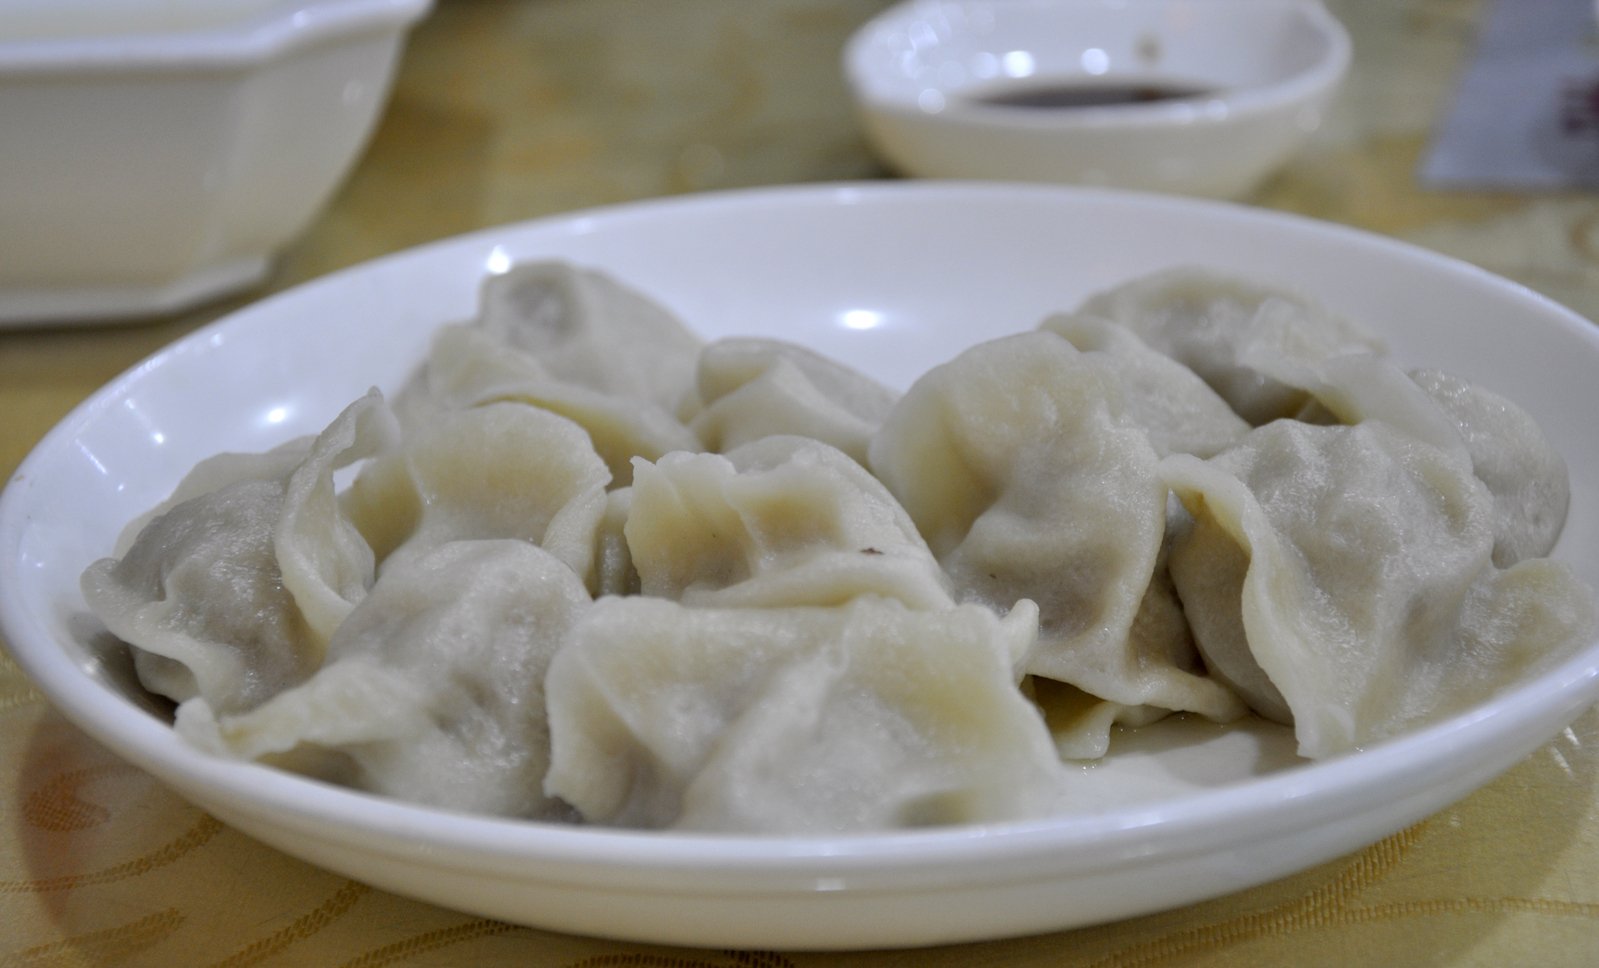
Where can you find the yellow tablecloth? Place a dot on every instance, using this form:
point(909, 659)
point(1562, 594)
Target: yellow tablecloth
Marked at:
point(511, 109)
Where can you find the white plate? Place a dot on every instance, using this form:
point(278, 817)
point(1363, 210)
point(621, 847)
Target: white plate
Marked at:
point(893, 278)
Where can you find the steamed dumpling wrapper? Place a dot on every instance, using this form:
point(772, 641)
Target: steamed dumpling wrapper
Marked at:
point(588, 329)
point(233, 593)
point(781, 521)
point(466, 368)
point(1357, 387)
point(499, 471)
point(1020, 467)
point(1229, 331)
point(1340, 579)
point(1510, 453)
point(867, 716)
point(1179, 412)
point(578, 327)
point(433, 687)
point(323, 560)
point(575, 342)
point(614, 573)
point(219, 471)
point(1083, 725)
point(754, 388)
point(1507, 449)
point(1082, 722)
point(618, 428)
point(200, 600)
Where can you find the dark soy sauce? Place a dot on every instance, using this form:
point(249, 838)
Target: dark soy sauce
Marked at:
point(1068, 94)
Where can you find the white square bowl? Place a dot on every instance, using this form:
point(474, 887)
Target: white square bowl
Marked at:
point(155, 156)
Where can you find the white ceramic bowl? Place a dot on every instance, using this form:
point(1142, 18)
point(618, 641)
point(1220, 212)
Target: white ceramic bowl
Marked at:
point(155, 155)
point(893, 278)
point(926, 74)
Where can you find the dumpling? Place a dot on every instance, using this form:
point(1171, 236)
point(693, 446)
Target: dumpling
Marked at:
point(574, 342)
point(499, 471)
point(1340, 579)
point(867, 716)
point(233, 593)
point(1175, 408)
point(779, 522)
point(587, 329)
point(467, 368)
point(1019, 466)
point(433, 688)
point(1225, 329)
point(1507, 449)
point(1510, 453)
point(200, 600)
point(557, 322)
point(754, 388)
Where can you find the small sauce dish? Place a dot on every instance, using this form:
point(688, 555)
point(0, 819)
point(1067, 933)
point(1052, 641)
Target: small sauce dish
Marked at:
point(1199, 97)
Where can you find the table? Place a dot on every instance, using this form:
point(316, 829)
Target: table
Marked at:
point(510, 109)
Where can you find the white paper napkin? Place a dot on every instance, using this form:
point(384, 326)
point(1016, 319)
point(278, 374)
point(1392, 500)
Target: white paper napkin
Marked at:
point(1526, 110)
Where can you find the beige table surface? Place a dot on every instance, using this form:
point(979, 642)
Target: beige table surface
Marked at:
point(511, 109)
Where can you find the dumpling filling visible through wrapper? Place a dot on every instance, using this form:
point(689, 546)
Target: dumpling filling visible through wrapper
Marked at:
point(866, 716)
point(1340, 578)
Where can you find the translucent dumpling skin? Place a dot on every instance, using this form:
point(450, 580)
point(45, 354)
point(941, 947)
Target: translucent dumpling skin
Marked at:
point(1019, 463)
point(503, 470)
point(1509, 453)
point(1341, 579)
point(1167, 400)
point(432, 691)
point(867, 716)
point(1233, 333)
point(232, 594)
point(755, 388)
point(575, 342)
point(779, 521)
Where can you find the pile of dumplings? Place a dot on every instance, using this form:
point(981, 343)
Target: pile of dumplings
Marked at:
point(588, 569)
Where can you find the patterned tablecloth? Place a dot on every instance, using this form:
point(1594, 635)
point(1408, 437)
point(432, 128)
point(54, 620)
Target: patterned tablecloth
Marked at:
point(511, 109)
